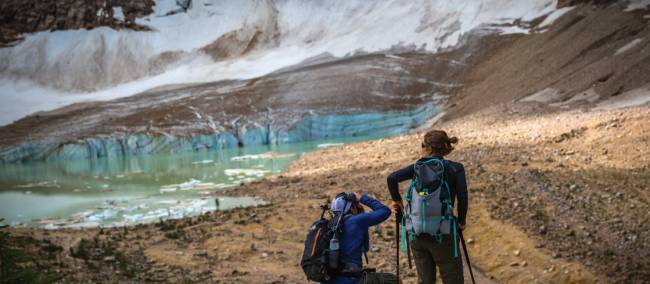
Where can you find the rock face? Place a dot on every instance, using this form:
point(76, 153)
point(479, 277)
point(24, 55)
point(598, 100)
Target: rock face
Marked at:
point(18, 17)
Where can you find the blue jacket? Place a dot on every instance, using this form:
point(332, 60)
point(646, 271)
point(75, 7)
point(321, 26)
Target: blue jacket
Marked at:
point(355, 241)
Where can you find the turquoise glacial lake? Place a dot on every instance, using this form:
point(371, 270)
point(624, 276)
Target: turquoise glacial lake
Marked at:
point(139, 189)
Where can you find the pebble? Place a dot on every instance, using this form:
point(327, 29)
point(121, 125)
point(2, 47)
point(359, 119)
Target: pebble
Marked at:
point(542, 230)
point(470, 241)
point(517, 252)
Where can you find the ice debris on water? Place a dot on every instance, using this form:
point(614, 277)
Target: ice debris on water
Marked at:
point(190, 185)
point(38, 184)
point(203, 162)
point(263, 156)
point(327, 145)
point(240, 173)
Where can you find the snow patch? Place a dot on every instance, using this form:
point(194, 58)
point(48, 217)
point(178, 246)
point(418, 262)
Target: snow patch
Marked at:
point(554, 16)
point(636, 5)
point(628, 46)
point(546, 96)
point(631, 98)
point(118, 14)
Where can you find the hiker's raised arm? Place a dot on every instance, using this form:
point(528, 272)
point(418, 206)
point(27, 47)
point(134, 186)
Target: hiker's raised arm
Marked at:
point(395, 178)
point(379, 212)
point(461, 195)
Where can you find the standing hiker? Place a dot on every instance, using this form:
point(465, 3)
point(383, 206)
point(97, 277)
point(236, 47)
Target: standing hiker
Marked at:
point(428, 218)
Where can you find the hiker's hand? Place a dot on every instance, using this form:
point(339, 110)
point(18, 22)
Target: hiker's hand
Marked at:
point(461, 227)
point(357, 197)
point(397, 206)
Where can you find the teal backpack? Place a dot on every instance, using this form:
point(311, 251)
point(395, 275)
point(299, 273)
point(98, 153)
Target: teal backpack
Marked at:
point(426, 212)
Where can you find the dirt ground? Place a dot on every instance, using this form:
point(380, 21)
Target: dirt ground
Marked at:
point(558, 194)
point(559, 197)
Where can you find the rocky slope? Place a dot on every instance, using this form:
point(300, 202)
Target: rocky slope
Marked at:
point(19, 17)
point(546, 205)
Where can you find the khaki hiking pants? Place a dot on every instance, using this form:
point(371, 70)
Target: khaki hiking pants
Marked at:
point(427, 253)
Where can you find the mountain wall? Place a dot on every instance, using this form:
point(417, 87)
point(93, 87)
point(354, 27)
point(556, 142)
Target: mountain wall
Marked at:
point(20, 17)
point(215, 40)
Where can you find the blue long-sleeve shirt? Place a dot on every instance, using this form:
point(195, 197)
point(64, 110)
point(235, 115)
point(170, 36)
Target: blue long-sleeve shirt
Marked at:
point(354, 240)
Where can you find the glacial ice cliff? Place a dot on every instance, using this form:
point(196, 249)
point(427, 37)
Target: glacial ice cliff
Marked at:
point(310, 128)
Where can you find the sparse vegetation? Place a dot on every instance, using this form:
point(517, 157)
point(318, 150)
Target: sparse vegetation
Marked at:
point(16, 266)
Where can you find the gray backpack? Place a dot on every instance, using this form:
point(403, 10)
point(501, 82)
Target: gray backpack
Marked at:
point(426, 212)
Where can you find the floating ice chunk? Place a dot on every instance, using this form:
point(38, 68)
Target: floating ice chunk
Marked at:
point(38, 184)
point(203, 162)
point(247, 157)
point(240, 173)
point(190, 184)
point(51, 227)
point(327, 145)
point(82, 225)
point(102, 215)
point(167, 189)
point(205, 185)
point(268, 155)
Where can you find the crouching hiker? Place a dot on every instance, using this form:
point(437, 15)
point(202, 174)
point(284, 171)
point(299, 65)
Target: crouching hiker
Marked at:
point(428, 221)
point(334, 246)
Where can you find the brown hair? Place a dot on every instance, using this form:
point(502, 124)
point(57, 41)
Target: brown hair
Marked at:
point(438, 142)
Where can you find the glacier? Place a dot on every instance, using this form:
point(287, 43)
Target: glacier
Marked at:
point(218, 40)
point(312, 127)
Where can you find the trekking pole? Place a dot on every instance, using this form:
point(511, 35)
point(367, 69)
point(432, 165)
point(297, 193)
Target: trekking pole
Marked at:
point(398, 217)
point(469, 265)
point(408, 247)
